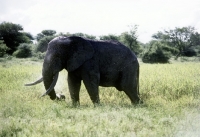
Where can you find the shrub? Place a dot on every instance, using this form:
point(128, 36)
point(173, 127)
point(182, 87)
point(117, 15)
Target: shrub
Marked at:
point(24, 50)
point(39, 55)
point(3, 48)
point(43, 43)
point(189, 52)
point(157, 53)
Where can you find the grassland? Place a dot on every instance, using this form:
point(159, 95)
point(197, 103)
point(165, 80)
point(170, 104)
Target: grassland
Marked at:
point(171, 94)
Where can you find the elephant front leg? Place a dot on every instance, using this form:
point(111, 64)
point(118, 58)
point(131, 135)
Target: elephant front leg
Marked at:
point(74, 85)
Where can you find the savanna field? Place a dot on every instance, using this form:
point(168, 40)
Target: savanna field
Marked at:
point(171, 108)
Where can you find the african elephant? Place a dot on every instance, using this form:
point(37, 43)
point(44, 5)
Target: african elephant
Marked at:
point(97, 63)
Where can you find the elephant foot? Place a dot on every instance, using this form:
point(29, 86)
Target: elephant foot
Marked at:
point(60, 97)
point(139, 102)
point(75, 103)
point(97, 104)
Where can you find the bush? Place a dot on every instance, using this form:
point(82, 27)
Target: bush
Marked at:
point(157, 53)
point(43, 43)
point(190, 52)
point(39, 55)
point(3, 48)
point(24, 50)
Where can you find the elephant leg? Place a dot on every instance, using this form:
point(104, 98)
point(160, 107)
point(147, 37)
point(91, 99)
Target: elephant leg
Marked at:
point(130, 87)
point(91, 82)
point(132, 94)
point(74, 85)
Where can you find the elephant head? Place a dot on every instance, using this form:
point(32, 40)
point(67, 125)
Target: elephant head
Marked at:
point(63, 53)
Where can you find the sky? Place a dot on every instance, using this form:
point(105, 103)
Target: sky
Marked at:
point(101, 17)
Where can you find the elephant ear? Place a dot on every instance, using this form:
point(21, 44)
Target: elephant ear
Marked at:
point(80, 51)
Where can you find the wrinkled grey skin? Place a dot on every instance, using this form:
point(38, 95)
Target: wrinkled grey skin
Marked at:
point(97, 63)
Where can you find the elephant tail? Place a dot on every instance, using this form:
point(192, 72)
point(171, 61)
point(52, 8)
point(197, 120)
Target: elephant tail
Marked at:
point(138, 75)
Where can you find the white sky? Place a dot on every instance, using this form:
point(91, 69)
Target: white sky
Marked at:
point(101, 17)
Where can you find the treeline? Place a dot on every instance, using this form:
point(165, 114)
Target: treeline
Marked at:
point(164, 45)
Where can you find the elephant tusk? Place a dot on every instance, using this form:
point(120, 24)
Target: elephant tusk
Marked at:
point(34, 83)
point(55, 78)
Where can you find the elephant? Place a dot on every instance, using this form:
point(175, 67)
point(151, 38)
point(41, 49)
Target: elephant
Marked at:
point(95, 62)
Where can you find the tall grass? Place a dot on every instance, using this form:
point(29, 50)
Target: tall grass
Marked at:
point(171, 95)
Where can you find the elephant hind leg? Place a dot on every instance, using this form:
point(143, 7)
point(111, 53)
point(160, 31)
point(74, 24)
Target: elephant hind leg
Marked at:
point(131, 91)
point(130, 86)
point(133, 96)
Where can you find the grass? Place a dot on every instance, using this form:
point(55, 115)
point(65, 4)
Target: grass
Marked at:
point(171, 94)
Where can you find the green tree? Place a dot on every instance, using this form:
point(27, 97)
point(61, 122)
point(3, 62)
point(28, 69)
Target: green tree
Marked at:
point(49, 32)
point(130, 39)
point(43, 43)
point(3, 48)
point(184, 39)
point(13, 35)
point(83, 35)
point(110, 37)
point(45, 33)
point(29, 35)
point(90, 36)
point(157, 53)
point(23, 51)
point(39, 36)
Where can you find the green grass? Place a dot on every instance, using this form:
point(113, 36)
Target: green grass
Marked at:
point(171, 94)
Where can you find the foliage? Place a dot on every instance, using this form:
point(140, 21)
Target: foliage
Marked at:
point(12, 35)
point(43, 43)
point(130, 39)
point(48, 32)
point(39, 36)
point(3, 48)
point(190, 52)
point(83, 35)
point(110, 37)
point(45, 33)
point(171, 104)
point(29, 35)
point(184, 39)
point(39, 55)
point(24, 50)
point(157, 53)
point(79, 34)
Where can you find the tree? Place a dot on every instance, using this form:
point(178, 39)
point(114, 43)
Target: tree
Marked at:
point(23, 51)
point(29, 35)
point(157, 53)
point(45, 33)
point(13, 35)
point(49, 32)
point(90, 36)
point(184, 39)
point(3, 48)
point(83, 35)
point(39, 36)
point(110, 37)
point(130, 39)
point(43, 43)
